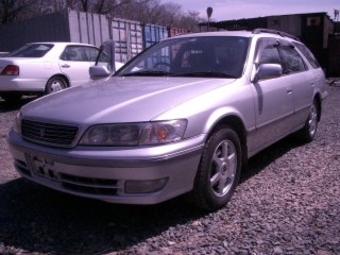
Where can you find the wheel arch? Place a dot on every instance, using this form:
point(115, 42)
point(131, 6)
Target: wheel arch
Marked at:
point(63, 76)
point(234, 122)
point(204, 191)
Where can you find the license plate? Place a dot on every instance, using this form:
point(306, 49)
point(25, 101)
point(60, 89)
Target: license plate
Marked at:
point(41, 167)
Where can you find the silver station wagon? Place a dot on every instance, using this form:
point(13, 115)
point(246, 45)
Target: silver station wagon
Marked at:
point(183, 117)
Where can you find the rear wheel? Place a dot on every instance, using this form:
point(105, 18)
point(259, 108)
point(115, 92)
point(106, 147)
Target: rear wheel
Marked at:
point(11, 97)
point(307, 133)
point(54, 84)
point(219, 170)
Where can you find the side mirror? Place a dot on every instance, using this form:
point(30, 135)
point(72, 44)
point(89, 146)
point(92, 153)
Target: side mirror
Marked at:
point(107, 51)
point(98, 72)
point(267, 71)
point(105, 62)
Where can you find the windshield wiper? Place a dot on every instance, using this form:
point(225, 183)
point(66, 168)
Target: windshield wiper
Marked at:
point(205, 74)
point(148, 73)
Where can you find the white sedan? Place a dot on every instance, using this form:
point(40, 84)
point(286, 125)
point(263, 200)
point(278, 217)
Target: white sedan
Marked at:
point(44, 67)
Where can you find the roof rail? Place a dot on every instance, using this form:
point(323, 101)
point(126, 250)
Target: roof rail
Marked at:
point(272, 31)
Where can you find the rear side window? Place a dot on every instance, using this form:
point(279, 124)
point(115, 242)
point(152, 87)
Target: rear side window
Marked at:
point(277, 51)
point(79, 53)
point(31, 51)
point(308, 55)
point(293, 62)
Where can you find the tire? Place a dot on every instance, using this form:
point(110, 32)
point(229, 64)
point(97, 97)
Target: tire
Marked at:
point(219, 170)
point(11, 97)
point(54, 84)
point(307, 133)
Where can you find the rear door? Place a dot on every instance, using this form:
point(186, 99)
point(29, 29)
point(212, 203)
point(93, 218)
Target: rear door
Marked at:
point(302, 82)
point(75, 62)
point(304, 90)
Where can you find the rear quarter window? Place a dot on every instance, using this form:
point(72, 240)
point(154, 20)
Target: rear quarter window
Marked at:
point(308, 55)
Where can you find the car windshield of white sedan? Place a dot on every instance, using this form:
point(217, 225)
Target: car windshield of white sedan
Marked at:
point(31, 51)
point(208, 56)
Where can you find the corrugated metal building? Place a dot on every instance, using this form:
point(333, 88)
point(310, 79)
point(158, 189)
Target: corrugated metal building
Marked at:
point(130, 37)
point(66, 25)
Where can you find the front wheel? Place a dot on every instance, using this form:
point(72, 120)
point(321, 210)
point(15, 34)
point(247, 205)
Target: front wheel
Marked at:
point(219, 170)
point(55, 84)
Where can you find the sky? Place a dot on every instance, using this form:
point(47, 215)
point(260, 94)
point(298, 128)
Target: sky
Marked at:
point(238, 9)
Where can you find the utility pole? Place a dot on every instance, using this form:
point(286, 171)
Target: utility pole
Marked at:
point(336, 14)
point(209, 12)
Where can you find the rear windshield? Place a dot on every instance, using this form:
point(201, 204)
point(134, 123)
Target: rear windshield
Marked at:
point(31, 51)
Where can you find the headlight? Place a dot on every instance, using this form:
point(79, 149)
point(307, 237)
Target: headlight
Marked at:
point(163, 132)
point(17, 123)
point(145, 133)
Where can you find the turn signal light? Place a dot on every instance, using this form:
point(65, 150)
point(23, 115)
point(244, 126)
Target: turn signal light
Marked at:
point(10, 70)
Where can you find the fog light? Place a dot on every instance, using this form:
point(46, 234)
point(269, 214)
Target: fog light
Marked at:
point(137, 187)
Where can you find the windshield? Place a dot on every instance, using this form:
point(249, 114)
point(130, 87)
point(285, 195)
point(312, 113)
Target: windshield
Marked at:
point(201, 56)
point(31, 51)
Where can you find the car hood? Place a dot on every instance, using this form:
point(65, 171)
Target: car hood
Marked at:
point(119, 99)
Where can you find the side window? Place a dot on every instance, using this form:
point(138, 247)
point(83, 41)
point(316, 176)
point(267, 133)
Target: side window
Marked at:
point(103, 58)
point(267, 51)
point(91, 53)
point(293, 62)
point(269, 55)
point(74, 53)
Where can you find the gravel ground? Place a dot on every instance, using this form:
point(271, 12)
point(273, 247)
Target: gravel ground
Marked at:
point(288, 202)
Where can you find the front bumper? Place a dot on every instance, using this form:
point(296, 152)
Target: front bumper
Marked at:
point(154, 175)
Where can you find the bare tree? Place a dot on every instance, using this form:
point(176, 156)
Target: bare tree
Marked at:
point(155, 13)
point(171, 14)
point(100, 6)
point(190, 21)
point(73, 4)
point(42, 7)
point(146, 11)
point(11, 10)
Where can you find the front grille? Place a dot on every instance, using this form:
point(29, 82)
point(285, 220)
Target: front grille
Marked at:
point(48, 133)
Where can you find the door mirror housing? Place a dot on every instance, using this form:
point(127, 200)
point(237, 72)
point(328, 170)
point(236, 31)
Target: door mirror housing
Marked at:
point(267, 71)
point(98, 72)
point(105, 61)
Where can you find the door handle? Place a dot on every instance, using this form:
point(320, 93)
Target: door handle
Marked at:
point(289, 90)
point(65, 66)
